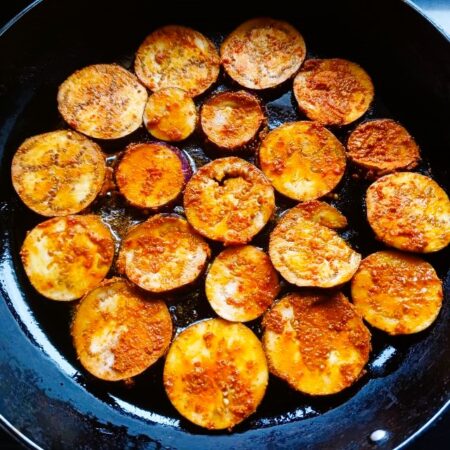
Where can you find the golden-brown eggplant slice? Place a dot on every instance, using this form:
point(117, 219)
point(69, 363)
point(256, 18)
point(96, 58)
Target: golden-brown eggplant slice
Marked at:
point(229, 200)
point(65, 257)
point(309, 254)
point(170, 115)
point(241, 283)
point(58, 173)
point(333, 91)
point(103, 101)
point(409, 211)
point(231, 120)
point(318, 344)
point(396, 292)
point(118, 332)
point(262, 53)
point(382, 146)
point(163, 254)
point(152, 175)
point(216, 373)
point(303, 160)
point(177, 56)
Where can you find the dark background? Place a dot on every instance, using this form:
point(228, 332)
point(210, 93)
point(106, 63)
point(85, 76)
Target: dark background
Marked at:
point(437, 437)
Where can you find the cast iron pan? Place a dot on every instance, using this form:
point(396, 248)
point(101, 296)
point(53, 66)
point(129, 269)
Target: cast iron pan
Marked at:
point(44, 393)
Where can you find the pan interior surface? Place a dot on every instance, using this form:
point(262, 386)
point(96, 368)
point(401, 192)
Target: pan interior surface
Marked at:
point(407, 379)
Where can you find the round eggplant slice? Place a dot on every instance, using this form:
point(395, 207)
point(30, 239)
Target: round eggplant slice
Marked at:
point(309, 254)
point(303, 160)
point(229, 200)
point(241, 283)
point(163, 254)
point(321, 213)
point(262, 53)
point(409, 211)
point(231, 120)
point(382, 146)
point(333, 91)
point(152, 175)
point(170, 115)
point(318, 344)
point(103, 101)
point(396, 292)
point(65, 257)
point(216, 373)
point(118, 332)
point(58, 173)
point(177, 56)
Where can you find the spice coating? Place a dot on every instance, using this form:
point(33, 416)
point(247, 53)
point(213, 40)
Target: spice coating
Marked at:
point(65, 257)
point(229, 200)
point(216, 373)
point(103, 101)
point(397, 292)
point(262, 53)
point(58, 173)
point(118, 332)
point(316, 343)
point(333, 91)
point(409, 211)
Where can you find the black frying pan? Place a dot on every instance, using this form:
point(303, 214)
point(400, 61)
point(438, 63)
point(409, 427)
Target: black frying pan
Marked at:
point(44, 393)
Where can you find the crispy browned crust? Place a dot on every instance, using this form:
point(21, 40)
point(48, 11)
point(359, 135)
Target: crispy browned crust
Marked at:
point(170, 115)
point(229, 200)
point(333, 91)
point(231, 120)
point(58, 173)
point(177, 56)
point(216, 373)
point(382, 146)
point(163, 254)
point(65, 257)
point(316, 343)
point(303, 160)
point(241, 283)
point(396, 292)
point(262, 53)
point(118, 332)
point(409, 211)
point(150, 175)
point(308, 254)
point(103, 101)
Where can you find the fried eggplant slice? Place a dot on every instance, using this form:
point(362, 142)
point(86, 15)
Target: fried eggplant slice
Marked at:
point(103, 101)
point(163, 254)
point(229, 200)
point(303, 160)
point(118, 332)
point(216, 373)
point(262, 53)
point(308, 254)
point(170, 115)
point(333, 91)
point(241, 283)
point(65, 257)
point(177, 56)
point(410, 212)
point(317, 343)
point(58, 173)
point(152, 175)
point(231, 120)
point(382, 146)
point(397, 292)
